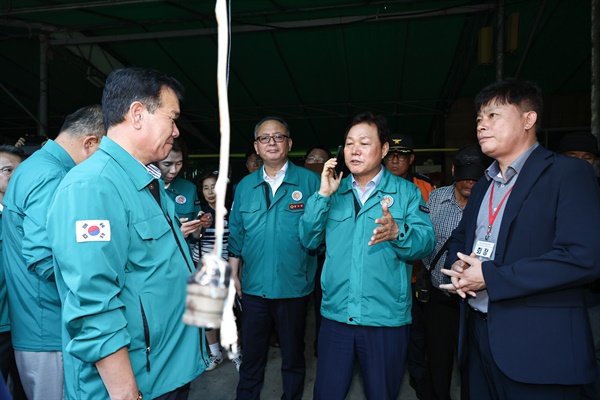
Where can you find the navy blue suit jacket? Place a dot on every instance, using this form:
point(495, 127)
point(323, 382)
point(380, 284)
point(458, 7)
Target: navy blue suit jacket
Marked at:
point(548, 247)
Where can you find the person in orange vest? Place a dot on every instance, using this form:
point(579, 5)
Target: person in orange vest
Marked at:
point(399, 161)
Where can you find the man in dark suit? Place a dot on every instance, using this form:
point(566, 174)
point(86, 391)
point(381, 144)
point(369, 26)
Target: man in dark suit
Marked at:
point(531, 228)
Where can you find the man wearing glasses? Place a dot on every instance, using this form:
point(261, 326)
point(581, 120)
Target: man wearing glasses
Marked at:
point(278, 272)
point(253, 161)
point(399, 160)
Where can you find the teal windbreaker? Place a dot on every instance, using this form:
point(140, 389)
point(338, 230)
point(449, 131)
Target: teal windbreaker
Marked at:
point(368, 285)
point(185, 196)
point(121, 270)
point(33, 299)
point(276, 264)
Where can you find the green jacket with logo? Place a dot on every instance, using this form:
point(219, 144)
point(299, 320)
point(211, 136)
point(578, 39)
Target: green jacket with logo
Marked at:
point(276, 265)
point(121, 270)
point(368, 285)
point(185, 196)
point(33, 299)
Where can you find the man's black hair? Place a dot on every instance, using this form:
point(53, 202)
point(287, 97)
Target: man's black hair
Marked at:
point(525, 95)
point(320, 147)
point(12, 150)
point(128, 85)
point(378, 121)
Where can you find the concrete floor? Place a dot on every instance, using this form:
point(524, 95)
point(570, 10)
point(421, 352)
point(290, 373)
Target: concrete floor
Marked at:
point(220, 384)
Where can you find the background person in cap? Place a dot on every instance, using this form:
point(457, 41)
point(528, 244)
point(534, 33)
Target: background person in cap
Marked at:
point(584, 145)
point(398, 161)
point(441, 312)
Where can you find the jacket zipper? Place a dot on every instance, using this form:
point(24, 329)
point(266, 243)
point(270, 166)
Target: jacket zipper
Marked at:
point(146, 336)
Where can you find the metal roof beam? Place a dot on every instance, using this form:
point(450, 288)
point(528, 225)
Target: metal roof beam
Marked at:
point(8, 92)
point(75, 6)
point(309, 23)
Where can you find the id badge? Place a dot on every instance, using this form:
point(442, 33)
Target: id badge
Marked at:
point(483, 249)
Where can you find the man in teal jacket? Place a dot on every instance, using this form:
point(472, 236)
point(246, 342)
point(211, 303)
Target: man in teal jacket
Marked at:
point(33, 300)
point(375, 224)
point(121, 260)
point(278, 273)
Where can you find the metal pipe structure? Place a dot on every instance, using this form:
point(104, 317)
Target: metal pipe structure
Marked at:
point(500, 42)
point(43, 106)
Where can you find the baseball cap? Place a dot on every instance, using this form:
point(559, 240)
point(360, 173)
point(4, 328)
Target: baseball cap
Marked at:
point(401, 143)
point(579, 141)
point(469, 163)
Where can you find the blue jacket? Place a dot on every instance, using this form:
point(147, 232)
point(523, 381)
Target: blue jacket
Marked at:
point(34, 303)
point(547, 249)
point(368, 285)
point(276, 264)
point(121, 270)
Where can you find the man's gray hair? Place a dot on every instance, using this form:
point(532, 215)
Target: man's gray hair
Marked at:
point(84, 122)
point(272, 118)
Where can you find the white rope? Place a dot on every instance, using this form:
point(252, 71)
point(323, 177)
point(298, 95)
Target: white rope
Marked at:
point(228, 327)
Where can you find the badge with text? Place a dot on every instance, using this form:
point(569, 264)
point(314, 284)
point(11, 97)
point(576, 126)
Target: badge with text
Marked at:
point(180, 199)
point(389, 200)
point(297, 206)
point(483, 249)
point(97, 230)
point(297, 195)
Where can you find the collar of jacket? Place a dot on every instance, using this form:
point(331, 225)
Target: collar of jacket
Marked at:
point(132, 167)
point(291, 176)
point(383, 186)
point(56, 151)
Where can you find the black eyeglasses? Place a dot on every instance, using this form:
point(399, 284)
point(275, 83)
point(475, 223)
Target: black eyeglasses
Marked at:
point(399, 156)
point(277, 138)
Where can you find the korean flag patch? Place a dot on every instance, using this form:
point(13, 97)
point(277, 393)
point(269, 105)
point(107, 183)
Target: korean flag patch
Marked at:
point(97, 230)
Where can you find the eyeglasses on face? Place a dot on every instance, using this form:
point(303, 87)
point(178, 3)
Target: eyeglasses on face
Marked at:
point(7, 170)
point(314, 160)
point(401, 157)
point(277, 138)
